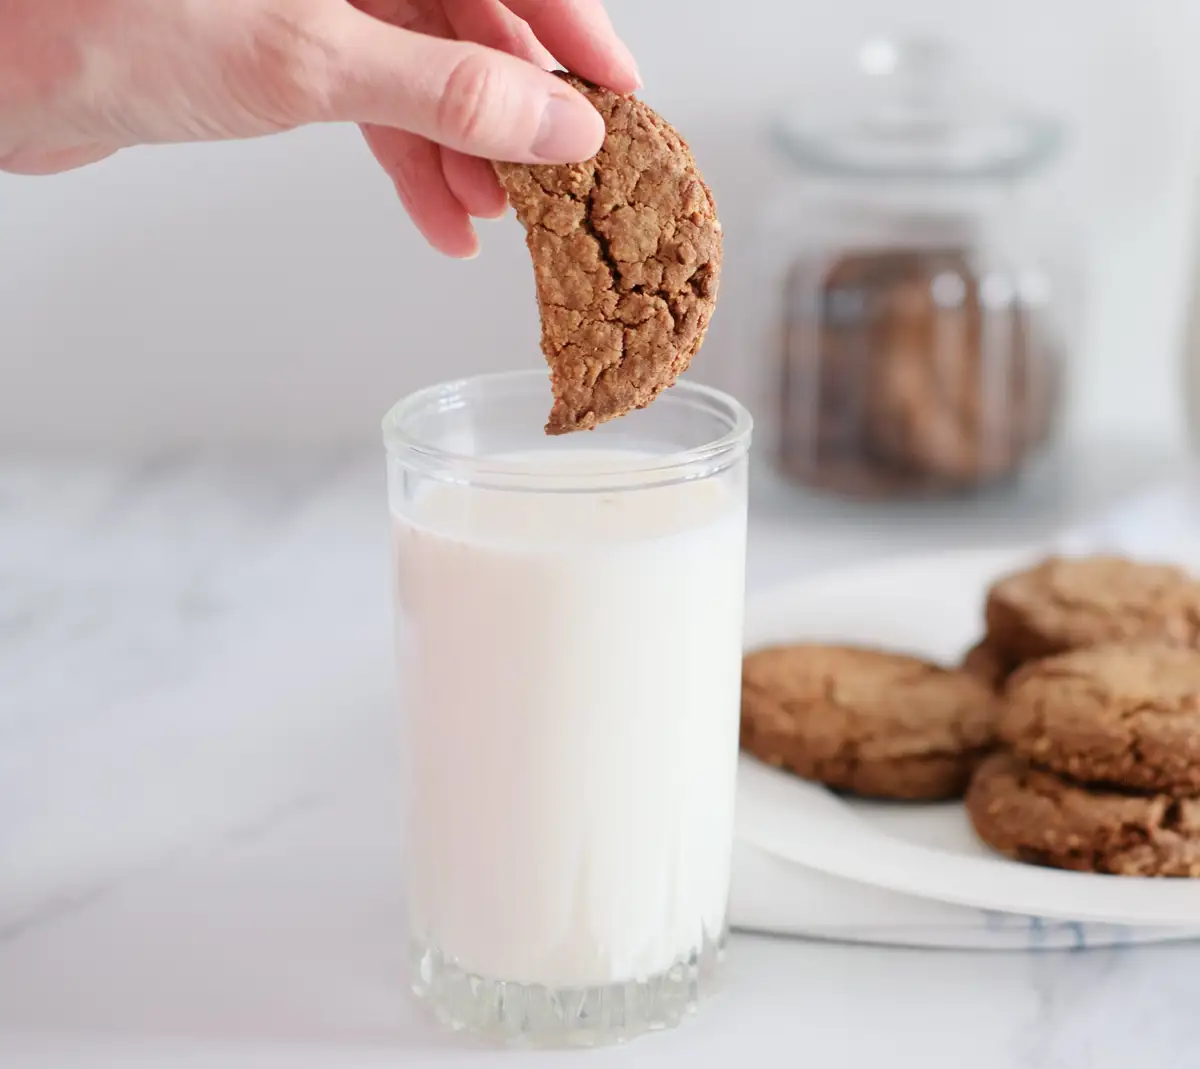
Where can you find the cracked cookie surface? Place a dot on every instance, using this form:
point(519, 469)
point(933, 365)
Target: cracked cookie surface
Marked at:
point(1070, 603)
point(1034, 816)
point(876, 724)
point(1127, 715)
point(626, 251)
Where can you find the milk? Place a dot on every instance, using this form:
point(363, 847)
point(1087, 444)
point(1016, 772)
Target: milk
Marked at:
point(571, 665)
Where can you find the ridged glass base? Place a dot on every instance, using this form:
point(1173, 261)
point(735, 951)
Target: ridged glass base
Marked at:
point(531, 1015)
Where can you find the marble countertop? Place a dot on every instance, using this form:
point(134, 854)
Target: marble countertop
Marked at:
point(200, 861)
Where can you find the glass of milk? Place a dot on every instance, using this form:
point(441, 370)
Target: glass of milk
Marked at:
point(569, 637)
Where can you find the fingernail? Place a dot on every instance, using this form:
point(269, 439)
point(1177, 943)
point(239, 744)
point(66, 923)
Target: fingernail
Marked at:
point(568, 130)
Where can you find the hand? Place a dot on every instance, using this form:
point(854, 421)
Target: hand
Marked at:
point(440, 87)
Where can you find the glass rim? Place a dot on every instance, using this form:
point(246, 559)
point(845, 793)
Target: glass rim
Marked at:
point(708, 458)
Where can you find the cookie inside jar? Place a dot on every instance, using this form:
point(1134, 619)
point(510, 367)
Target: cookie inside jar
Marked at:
point(925, 295)
point(912, 371)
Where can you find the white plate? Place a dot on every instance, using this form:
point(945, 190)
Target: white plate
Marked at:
point(930, 605)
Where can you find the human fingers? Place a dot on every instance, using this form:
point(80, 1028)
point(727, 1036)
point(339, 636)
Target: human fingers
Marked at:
point(580, 34)
point(56, 161)
point(473, 99)
point(490, 23)
point(415, 167)
point(474, 184)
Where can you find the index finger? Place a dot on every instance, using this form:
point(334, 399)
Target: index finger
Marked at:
point(580, 36)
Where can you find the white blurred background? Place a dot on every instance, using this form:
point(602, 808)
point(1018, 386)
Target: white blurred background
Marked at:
point(273, 293)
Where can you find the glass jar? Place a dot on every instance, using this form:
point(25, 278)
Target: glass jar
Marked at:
point(1191, 324)
point(921, 330)
point(571, 704)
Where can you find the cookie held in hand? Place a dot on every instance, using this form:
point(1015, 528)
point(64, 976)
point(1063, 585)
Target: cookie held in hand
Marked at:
point(876, 724)
point(626, 251)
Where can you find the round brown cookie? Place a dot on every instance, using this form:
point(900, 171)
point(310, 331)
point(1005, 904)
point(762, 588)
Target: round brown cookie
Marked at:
point(1127, 715)
point(626, 252)
point(881, 725)
point(1034, 816)
point(986, 662)
point(1069, 603)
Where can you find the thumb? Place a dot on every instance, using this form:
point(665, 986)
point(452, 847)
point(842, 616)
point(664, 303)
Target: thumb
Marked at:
point(474, 99)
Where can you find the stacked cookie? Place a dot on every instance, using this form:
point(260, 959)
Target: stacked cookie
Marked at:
point(1098, 663)
point(1069, 603)
point(1073, 726)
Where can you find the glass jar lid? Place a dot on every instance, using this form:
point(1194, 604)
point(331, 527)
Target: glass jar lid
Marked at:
point(910, 114)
